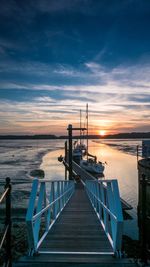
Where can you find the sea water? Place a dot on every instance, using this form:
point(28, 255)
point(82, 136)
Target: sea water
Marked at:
point(19, 157)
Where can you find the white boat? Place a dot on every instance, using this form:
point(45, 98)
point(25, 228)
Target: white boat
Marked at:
point(82, 147)
point(91, 164)
point(77, 153)
point(79, 148)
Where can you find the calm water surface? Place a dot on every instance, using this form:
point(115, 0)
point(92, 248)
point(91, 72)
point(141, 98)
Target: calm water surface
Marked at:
point(123, 167)
point(18, 158)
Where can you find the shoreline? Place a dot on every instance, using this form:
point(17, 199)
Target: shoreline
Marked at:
point(26, 166)
point(130, 150)
point(19, 229)
point(22, 181)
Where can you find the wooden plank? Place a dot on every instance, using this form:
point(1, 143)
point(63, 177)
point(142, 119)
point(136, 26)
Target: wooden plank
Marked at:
point(76, 239)
point(73, 261)
point(60, 264)
point(73, 226)
point(87, 176)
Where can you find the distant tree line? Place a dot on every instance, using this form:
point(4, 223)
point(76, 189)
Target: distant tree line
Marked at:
point(132, 135)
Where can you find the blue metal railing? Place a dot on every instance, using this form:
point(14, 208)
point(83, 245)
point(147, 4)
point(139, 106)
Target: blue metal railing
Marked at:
point(47, 198)
point(105, 199)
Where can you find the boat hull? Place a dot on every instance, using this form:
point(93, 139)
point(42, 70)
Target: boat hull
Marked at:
point(92, 167)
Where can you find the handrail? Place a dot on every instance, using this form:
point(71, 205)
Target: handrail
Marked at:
point(105, 199)
point(4, 194)
point(6, 236)
point(105, 207)
point(48, 206)
point(28, 182)
point(47, 198)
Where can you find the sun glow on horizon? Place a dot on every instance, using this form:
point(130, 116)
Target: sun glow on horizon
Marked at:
point(102, 132)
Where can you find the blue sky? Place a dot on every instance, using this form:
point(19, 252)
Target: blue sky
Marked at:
point(55, 56)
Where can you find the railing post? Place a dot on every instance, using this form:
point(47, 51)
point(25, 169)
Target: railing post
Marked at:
point(66, 159)
point(105, 199)
point(63, 199)
point(42, 193)
point(53, 198)
point(8, 261)
point(70, 150)
point(29, 216)
point(61, 190)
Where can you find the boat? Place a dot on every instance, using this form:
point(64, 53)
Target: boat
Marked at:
point(77, 152)
point(91, 164)
point(79, 148)
point(81, 145)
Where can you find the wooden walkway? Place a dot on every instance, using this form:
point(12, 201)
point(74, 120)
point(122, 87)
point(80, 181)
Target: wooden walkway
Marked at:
point(76, 239)
point(87, 176)
point(77, 229)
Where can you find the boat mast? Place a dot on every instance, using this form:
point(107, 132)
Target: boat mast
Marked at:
point(87, 132)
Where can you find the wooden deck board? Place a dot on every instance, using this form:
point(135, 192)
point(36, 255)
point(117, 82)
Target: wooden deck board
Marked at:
point(80, 230)
point(87, 176)
point(73, 261)
point(75, 240)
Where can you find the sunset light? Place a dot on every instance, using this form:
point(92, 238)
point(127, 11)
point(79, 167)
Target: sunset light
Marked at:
point(102, 132)
point(49, 73)
point(75, 126)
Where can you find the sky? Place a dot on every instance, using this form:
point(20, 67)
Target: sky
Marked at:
point(56, 56)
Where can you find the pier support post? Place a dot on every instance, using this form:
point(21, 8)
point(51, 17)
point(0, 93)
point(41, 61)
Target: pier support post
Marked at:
point(66, 159)
point(70, 150)
point(143, 221)
point(144, 208)
point(8, 224)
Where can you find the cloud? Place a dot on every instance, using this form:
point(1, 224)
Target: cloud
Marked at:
point(126, 85)
point(86, 7)
point(58, 55)
point(87, 75)
point(123, 90)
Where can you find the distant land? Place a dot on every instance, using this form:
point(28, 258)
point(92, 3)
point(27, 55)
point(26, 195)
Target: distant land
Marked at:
point(132, 135)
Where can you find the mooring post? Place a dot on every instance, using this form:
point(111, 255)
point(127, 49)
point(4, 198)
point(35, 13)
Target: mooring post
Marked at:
point(144, 221)
point(66, 151)
point(8, 223)
point(66, 159)
point(70, 150)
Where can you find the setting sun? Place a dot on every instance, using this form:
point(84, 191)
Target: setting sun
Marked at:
point(102, 132)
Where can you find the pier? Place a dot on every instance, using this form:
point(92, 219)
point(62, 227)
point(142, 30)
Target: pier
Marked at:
point(75, 222)
point(72, 223)
point(79, 173)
